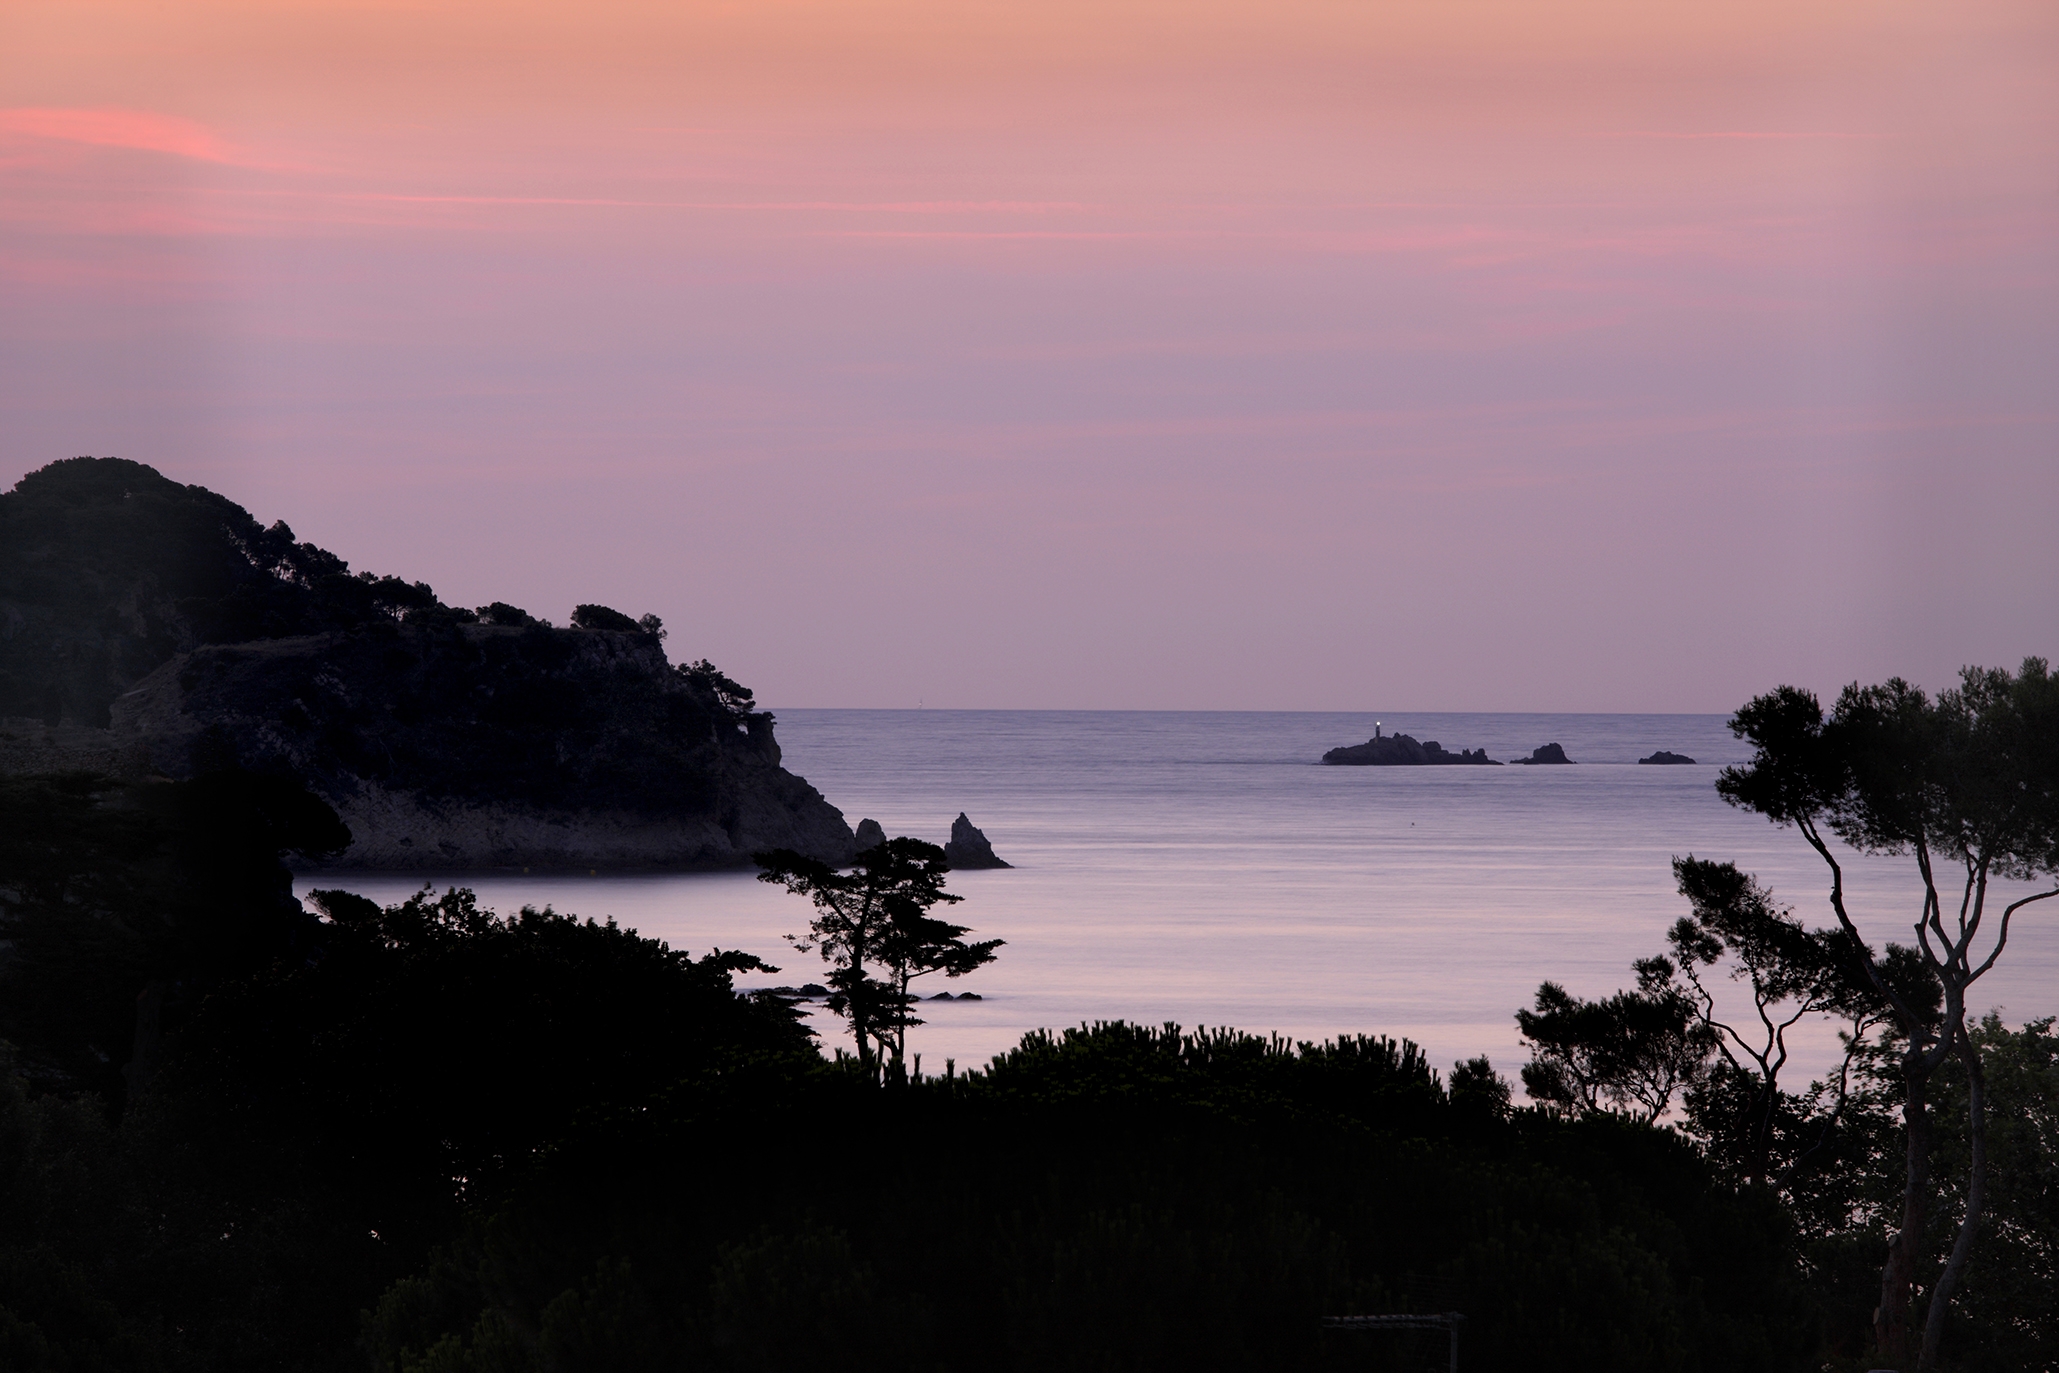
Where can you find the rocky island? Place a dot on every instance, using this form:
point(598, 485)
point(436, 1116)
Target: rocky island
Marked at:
point(968, 847)
point(1664, 758)
point(153, 629)
point(1545, 753)
point(1399, 750)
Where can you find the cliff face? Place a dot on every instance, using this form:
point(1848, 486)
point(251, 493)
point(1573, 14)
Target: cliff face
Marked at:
point(149, 627)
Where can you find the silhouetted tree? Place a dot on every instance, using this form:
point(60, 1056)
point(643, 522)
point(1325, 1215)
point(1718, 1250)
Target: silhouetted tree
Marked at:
point(510, 616)
point(850, 925)
point(1630, 1052)
point(874, 929)
point(2011, 1308)
point(1968, 782)
point(1476, 1089)
point(917, 945)
point(729, 694)
point(603, 617)
point(1792, 974)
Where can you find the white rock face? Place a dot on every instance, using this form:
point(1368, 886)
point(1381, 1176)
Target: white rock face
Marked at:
point(399, 831)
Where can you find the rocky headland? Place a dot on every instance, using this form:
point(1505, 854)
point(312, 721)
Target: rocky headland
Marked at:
point(1400, 750)
point(149, 628)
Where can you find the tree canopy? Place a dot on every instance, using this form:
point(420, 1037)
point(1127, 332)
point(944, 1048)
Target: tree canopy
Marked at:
point(1966, 785)
point(874, 928)
point(1633, 1051)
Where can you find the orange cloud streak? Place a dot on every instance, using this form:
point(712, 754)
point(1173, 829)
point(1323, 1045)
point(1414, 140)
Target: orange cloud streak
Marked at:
point(118, 128)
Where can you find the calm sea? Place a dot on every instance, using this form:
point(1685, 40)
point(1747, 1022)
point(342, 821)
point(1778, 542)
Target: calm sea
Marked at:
point(1203, 868)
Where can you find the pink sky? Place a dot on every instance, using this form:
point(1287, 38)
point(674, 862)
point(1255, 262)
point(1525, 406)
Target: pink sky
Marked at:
point(1309, 354)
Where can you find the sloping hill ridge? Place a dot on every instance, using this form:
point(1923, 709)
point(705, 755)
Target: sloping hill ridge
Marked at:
point(150, 627)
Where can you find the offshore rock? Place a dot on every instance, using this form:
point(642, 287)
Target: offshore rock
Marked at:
point(1400, 750)
point(871, 834)
point(1545, 753)
point(969, 848)
point(1664, 757)
point(478, 746)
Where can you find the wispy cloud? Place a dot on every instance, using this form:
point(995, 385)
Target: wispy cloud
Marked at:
point(145, 130)
point(911, 207)
point(1744, 134)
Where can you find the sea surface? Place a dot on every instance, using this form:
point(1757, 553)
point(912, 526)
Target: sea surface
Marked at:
point(1203, 868)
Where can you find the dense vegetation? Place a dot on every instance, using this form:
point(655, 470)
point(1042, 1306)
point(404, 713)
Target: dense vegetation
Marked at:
point(1114, 1197)
point(229, 1122)
point(1932, 1149)
point(426, 1137)
point(539, 1142)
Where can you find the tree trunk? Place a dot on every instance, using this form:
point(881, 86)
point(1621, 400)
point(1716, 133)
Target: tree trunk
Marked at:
point(861, 1031)
point(1898, 1278)
point(865, 1061)
point(1759, 1142)
point(1976, 1194)
point(900, 1070)
point(148, 1045)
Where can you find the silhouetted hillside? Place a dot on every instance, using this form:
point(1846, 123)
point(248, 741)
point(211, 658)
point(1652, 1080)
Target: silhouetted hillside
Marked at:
point(107, 569)
point(151, 627)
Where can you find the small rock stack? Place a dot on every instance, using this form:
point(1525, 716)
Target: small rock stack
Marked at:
point(968, 847)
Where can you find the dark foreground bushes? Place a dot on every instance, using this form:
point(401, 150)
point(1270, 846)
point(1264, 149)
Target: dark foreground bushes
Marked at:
point(1115, 1198)
point(228, 1123)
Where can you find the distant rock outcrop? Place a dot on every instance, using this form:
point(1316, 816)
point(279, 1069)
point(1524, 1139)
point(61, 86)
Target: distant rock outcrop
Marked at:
point(1399, 750)
point(871, 834)
point(1547, 753)
point(1664, 757)
point(969, 848)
